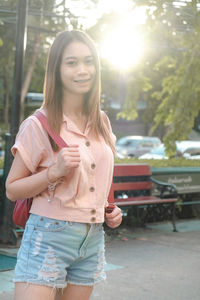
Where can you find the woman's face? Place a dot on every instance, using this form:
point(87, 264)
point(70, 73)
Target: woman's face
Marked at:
point(77, 69)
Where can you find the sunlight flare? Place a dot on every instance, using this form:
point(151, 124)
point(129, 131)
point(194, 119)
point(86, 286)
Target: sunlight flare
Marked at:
point(123, 47)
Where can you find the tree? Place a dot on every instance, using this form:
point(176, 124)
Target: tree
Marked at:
point(7, 21)
point(173, 95)
point(45, 19)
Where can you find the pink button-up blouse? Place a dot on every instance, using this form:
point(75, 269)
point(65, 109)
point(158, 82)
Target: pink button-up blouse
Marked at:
point(82, 195)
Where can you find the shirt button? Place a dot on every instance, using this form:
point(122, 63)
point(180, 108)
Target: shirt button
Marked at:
point(87, 143)
point(93, 211)
point(93, 166)
point(92, 189)
point(93, 219)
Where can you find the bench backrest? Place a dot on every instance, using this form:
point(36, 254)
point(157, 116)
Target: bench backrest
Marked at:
point(130, 181)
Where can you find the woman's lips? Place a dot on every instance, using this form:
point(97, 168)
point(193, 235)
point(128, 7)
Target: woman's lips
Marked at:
point(82, 80)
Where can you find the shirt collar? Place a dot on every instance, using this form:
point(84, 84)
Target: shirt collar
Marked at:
point(71, 126)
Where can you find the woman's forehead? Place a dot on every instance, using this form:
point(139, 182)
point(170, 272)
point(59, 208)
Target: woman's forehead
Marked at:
point(77, 49)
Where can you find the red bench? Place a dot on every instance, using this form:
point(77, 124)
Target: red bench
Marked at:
point(132, 187)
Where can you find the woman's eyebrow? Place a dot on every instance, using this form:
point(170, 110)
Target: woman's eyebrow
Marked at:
point(75, 57)
point(70, 57)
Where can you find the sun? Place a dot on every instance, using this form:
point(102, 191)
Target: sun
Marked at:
point(122, 49)
point(124, 45)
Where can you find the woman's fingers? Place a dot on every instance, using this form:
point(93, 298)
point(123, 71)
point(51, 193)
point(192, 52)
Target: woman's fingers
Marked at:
point(71, 155)
point(116, 212)
point(73, 164)
point(114, 218)
point(69, 152)
point(67, 159)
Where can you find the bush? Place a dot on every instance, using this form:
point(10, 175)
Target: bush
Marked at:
point(1, 163)
point(156, 163)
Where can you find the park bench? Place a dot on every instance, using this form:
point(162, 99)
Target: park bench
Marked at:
point(134, 187)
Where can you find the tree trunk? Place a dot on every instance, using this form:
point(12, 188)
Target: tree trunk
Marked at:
point(29, 74)
point(6, 96)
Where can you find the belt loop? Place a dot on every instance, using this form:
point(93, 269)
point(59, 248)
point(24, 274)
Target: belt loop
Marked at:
point(88, 226)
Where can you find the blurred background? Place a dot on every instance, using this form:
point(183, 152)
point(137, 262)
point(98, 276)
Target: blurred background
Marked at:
point(149, 52)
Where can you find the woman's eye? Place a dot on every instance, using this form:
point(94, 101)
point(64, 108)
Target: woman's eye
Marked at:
point(71, 63)
point(90, 61)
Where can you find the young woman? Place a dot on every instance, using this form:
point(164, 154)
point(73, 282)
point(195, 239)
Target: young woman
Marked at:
point(62, 251)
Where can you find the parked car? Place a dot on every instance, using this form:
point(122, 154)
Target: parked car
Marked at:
point(187, 149)
point(134, 146)
point(156, 153)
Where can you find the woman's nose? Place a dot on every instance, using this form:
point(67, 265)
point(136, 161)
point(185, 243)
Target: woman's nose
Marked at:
point(82, 68)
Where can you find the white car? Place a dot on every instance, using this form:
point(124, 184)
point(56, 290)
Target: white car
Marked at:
point(156, 153)
point(134, 146)
point(187, 149)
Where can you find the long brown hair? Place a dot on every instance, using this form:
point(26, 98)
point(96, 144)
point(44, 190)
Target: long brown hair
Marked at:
point(53, 87)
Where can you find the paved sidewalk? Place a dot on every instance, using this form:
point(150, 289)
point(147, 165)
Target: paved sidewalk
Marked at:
point(145, 264)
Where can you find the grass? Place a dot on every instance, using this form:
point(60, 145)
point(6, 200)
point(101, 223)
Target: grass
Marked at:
point(172, 162)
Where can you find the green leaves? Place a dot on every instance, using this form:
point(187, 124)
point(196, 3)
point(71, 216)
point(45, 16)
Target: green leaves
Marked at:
point(172, 71)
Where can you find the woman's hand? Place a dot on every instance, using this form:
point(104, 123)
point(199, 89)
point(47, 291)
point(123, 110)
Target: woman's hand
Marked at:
point(68, 159)
point(114, 218)
point(20, 184)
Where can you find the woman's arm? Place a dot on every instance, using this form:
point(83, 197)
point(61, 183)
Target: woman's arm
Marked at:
point(21, 184)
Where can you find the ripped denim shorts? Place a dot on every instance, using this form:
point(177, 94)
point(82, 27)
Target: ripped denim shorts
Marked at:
point(54, 252)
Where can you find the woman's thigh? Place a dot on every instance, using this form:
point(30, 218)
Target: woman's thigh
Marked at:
point(24, 291)
point(55, 253)
point(74, 292)
point(39, 259)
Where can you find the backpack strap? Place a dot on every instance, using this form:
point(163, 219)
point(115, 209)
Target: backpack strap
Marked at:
point(56, 137)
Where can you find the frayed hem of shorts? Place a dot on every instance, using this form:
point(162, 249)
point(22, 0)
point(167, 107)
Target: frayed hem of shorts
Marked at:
point(54, 286)
point(86, 283)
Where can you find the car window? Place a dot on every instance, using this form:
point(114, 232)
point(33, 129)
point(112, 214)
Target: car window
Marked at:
point(127, 142)
point(146, 144)
point(149, 143)
point(193, 151)
point(122, 141)
point(158, 150)
point(142, 142)
point(131, 143)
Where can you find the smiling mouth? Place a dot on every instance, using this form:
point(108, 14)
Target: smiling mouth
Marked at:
point(83, 80)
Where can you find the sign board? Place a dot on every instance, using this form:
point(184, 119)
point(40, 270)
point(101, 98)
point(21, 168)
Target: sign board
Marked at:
point(187, 180)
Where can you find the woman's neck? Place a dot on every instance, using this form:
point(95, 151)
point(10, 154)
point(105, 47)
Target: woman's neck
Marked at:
point(73, 105)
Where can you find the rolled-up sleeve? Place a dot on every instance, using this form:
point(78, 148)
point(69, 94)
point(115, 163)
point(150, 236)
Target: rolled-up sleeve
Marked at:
point(32, 143)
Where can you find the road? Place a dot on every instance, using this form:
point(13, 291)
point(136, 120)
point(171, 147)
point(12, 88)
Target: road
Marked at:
point(147, 264)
